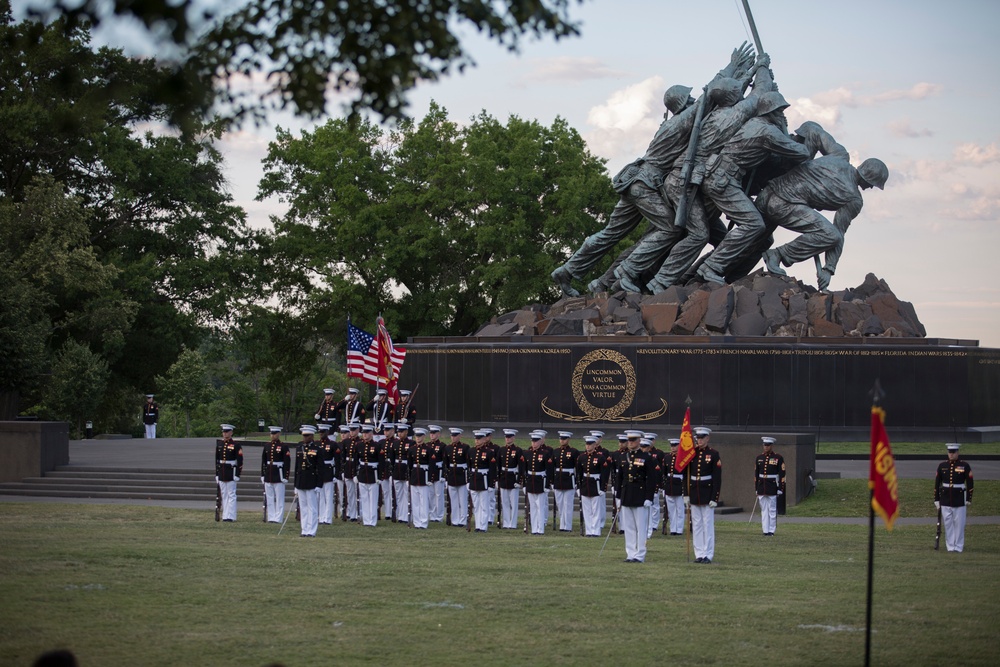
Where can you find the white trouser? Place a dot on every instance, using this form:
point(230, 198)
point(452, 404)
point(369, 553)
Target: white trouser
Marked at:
point(591, 514)
point(385, 487)
point(654, 514)
point(539, 504)
point(564, 507)
point(437, 500)
point(150, 431)
point(275, 494)
point(308, 510)
point(228, 501)
point(420, 496)
point(481, 508)
point(675, 514)
point(509, 501)
point(493, 507)
point(459, 504)
point(369, 503)
point(768, 513)
point(326, 503)
point(953, 520)
point(352, 497)
point(634, 521)
point(703, 529)
point(402, 491)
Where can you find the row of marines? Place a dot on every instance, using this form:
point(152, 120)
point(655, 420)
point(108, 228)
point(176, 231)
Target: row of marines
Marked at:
point(423, 480)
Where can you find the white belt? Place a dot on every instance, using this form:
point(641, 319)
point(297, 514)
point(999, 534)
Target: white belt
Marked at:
point(954, 486)
point(701, 478)
point(767, 476)
point(459, 465)
point(593, 475)
point(676, 476)
point(228, 463)
point(537, 474)
point(331, 462)
point(514, 470)
point(277, 465)
point(370, 464)
point(424, 466)
point(568, 471)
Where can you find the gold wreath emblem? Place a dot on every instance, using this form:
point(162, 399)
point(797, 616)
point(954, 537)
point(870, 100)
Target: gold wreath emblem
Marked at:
point(592, 411)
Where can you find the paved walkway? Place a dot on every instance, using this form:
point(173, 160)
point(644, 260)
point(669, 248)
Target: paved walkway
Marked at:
point(199, 454)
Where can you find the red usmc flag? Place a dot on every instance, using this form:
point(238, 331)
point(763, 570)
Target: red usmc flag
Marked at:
point(685, 452)
point(882, 478)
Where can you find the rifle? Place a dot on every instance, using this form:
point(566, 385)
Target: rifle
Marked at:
point(406, 406)
point(527, 512)
point(937, 536)
point(472, 517)
point(343, 509)
point(664, 531)
point(555, 522)
point(447, 504)
point(218, 501)
point(378, 512)
point(499, 505)
point(582, 527)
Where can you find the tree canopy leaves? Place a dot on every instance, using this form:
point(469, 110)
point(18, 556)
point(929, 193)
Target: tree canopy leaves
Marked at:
point(436, 226)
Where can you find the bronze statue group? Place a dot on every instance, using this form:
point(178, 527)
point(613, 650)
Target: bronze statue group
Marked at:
point(727, 153)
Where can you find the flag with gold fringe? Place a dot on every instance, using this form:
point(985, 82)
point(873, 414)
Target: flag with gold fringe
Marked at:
point(882, 479)
point(685, 452)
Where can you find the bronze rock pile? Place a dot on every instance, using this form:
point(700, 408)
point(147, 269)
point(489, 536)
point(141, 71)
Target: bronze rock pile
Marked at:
point(761, 304)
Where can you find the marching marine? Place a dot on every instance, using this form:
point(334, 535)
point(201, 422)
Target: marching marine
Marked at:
point(952, 494)
point(564, 480)
point(636, 482)
point(593, 468)
point(673, 489)
point(436, 473)
point(769, 481)
point(329, 452)
point(327, 412)
point(482, 472)
point(422, 460)
point(510, 459)
point(456, 471)
point(703, 479)
point(308, 481)
point(351, 407)
point(228, 468)
point(275, 465)
point(368, 456)
point(536, 474)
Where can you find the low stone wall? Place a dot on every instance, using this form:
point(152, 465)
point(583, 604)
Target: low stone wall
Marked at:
point(738, 451)
point(30, 449)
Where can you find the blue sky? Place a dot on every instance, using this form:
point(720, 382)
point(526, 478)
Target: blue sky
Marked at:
point(914, 83)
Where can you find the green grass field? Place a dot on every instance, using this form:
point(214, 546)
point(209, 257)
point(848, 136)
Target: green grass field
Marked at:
point(935, 448)
point(128, 585)
point(849, 498)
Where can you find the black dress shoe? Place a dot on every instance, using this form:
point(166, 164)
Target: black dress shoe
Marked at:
point(699, 560)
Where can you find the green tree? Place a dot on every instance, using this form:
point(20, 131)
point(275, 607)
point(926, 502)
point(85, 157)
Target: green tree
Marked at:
point(79, 378)
point(376, 52)
point(186, 385)
point(438, 227)
point(55, 288)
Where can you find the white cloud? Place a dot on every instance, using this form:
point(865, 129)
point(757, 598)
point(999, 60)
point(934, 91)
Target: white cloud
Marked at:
point(974, 154)
point(625, 123)
point(568, 69)
point(903, 128)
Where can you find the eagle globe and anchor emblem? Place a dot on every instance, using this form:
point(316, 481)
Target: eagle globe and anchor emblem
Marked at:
point(603, 386)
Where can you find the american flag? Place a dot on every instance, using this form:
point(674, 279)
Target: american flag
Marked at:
point(363, 356)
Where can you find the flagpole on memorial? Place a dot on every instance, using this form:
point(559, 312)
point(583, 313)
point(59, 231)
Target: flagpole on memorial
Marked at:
point(883, 496)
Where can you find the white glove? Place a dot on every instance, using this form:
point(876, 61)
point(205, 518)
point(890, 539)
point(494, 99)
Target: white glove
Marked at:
point(578, 493)
point(262, 479)
point(216, 479)
point(713, 504)
point(937, 504)
point(283, 480)
point(780, 492)
point(517, 486)
point(968, 502)
point(601, 493)
point(316, 416)
point(647, 503)
point(235, 478)
point(687, 501)
point(403, 421)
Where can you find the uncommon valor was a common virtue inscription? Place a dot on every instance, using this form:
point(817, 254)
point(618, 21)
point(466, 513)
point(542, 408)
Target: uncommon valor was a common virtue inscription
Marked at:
point(603, 385)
